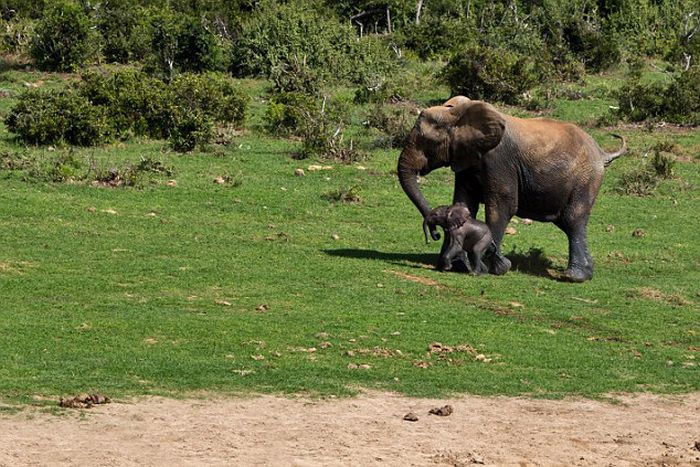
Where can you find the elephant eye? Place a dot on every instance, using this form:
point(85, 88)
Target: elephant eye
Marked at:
point(449, 106)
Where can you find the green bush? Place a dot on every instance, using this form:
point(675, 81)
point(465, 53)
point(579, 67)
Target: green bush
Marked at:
point(394, 121)
point(138, 104)
point(16, 35)
point(182, 44)
point(278, 37)
point(323, 134)
point(677, 101)
point(378, 89)
point(191, 130)
point(49, 117)
point(435, 37)
point(64, 38)
point(492, 74)
point(288, 112)
point(118, 22)
point(215, 94)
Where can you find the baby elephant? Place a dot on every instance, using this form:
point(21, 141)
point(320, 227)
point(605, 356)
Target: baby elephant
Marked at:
point(464, 235)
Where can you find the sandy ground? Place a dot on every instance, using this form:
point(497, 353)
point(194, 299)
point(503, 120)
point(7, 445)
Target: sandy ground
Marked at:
point(366, 430)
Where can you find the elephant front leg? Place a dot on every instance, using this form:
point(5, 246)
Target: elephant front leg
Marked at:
point(451, 249)
point(497, 221)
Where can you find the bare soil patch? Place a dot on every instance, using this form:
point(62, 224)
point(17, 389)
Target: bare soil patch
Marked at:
point(366, 430)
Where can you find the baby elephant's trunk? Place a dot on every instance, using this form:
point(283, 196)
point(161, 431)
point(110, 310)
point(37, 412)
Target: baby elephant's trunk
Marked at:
point(425, 230)
point(427, 227)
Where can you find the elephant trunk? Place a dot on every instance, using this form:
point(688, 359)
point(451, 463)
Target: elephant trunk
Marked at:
point(411, 162)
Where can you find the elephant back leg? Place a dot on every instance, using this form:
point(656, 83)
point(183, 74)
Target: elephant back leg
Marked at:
point(574, 223)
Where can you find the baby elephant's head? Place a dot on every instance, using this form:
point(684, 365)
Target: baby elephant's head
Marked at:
point(447, 217)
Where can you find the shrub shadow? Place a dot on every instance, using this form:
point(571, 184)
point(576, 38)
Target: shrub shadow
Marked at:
point(421, 260)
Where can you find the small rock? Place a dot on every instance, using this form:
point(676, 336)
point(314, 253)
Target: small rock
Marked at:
point(299, 172)
point(335, 237)
point(220, 180)
point(172, 183)
point(262, 307)
point(510, 230)
point(526, 221)
point(610, 228)
point(410, 417)
point(92, 209)
point(638, 233)
point(223, 303)
point(443, 411)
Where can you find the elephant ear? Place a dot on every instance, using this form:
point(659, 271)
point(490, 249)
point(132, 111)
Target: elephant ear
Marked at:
point(478, 128)
point(456, 217)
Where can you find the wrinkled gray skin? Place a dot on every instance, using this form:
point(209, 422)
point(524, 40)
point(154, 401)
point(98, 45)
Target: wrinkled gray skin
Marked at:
point(538, 168)
point(467, 238)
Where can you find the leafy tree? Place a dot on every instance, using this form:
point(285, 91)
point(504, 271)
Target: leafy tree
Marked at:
point(64, 39)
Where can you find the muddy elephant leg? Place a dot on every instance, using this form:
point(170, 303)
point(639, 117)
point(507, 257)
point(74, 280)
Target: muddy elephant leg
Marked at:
point(478, 253)
point(580, 267)
point(497, 221)
point(453, 250)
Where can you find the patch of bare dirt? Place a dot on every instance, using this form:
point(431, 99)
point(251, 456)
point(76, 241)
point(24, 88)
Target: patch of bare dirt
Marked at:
point(418, 279)
point(366, 430)
point(650, 293)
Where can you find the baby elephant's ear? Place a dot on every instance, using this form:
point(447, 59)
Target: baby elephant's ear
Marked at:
point(457, 216)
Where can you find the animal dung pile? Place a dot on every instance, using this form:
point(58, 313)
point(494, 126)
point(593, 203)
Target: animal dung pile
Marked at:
point(83, 401)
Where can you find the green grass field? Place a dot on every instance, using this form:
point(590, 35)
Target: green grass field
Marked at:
point(265, 284)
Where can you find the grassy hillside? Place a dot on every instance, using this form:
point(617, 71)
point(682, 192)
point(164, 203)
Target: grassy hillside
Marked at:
point(224, 271)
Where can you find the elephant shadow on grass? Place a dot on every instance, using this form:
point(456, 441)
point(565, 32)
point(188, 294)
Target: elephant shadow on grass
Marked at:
point(532, 262)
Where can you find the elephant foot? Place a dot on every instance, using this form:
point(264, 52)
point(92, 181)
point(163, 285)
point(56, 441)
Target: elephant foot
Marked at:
point(577, 275)
point(499, 265)
point(444, 265)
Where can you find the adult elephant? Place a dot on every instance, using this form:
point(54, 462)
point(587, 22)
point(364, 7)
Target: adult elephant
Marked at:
point(538, 168)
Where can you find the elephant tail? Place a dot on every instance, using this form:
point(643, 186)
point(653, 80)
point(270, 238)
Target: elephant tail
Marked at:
point(609, 157)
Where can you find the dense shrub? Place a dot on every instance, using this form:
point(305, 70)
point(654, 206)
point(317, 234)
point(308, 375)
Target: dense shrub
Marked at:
point(435, 36)
point(677, 101)
point(278, 36)
point(394, 121)
point(138, 104)
point(288, 112)
point(491, 74)
point(120, 22)
point(323, 134)
point(48, 117)
point(191, 129)
point(215, 94)
point(128, 102)
point(16, 35)
point(181, 44)
point(64, 38)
